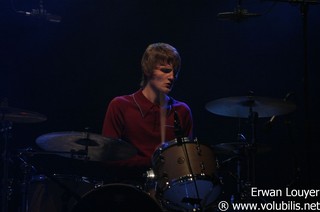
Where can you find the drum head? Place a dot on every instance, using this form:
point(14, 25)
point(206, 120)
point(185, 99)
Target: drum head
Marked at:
point(117, 197)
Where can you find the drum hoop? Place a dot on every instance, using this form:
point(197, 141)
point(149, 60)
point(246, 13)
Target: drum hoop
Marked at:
point(170, 143)
point(102, 187)
point(58, 176)
point(163, 147)
point(119, 186)
point(213, 179)
point(173, 205)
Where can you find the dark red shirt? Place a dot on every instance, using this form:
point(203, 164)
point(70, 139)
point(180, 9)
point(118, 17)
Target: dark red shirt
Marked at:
point(133, 118)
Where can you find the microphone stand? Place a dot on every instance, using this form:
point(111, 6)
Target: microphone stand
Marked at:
point(181, 142)
point(177, 128)
point(304, 7)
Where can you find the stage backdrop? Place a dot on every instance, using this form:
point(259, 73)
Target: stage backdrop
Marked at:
point(66, 59)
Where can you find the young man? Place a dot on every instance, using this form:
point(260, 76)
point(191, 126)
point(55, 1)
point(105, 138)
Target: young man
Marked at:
point(149, 117)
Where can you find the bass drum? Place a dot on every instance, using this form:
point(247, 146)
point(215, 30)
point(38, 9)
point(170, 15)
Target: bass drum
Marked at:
point(59, 193)
point(117, 197)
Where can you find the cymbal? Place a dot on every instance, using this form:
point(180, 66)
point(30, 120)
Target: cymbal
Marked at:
point(73, 145)
point(236, 148)
point(240, 106)
point(16, 115)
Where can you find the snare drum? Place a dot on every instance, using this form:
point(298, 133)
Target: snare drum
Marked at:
point(185, 175)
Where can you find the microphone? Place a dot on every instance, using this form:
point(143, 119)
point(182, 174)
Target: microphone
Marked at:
point(237, 14)
point(177, 126)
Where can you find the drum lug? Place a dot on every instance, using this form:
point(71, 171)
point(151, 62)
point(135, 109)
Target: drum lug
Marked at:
point(197, 146)
point(199, 152)
point(165, 176)
point(162, 159)
point(202, 167)
point(218, 164)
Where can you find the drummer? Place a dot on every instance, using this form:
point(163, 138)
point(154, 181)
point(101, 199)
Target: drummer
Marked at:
point(148, 117)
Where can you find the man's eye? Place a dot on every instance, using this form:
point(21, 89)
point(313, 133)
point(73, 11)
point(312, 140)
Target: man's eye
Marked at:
point(166, 70)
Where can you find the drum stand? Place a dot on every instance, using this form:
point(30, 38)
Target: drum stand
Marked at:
point(248, 152)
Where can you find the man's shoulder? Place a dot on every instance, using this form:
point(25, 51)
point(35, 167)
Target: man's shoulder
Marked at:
point(123, 98)
point(178, 103)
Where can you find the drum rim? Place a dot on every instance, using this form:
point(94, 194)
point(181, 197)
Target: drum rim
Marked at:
point(169, 204)
point(93, 191)
point(168, 144)
point(213, 179)
point(110, 185)
point(44, 177)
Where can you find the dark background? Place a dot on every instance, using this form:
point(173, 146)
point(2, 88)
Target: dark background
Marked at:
point(69, 71)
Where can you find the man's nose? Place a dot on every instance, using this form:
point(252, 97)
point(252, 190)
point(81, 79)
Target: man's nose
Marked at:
point(171, 76)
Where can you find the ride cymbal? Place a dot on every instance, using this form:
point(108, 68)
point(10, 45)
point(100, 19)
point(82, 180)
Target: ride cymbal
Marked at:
point(86, 146)
point(16, 115)
point(242, 106)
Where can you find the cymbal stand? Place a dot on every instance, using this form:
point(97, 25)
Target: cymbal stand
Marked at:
point(27, 171)
point(249, 152)
point(241, 181)
point(6, 126)
point(252, 147)
point(238, 177)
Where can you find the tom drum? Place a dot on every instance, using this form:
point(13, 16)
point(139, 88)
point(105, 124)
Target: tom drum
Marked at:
point(185, 174)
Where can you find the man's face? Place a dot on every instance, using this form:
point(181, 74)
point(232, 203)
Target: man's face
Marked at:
point(163, 78)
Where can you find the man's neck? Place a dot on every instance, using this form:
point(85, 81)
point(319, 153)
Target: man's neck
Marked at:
point(157, 98)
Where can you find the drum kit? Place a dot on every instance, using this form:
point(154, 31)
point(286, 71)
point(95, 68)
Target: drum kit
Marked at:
point(244, 151)
point(183, 174)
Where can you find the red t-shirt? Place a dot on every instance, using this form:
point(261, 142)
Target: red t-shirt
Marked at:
point(134, 119)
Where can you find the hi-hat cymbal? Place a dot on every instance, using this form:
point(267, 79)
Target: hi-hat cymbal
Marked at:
point(240, 106)
point(16, 115)
point(237, 148)
point(86, 146)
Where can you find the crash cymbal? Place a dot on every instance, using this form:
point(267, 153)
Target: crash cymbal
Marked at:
point(240, 106)
point(73, 145)
point(236, 148)
point(16, 115)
